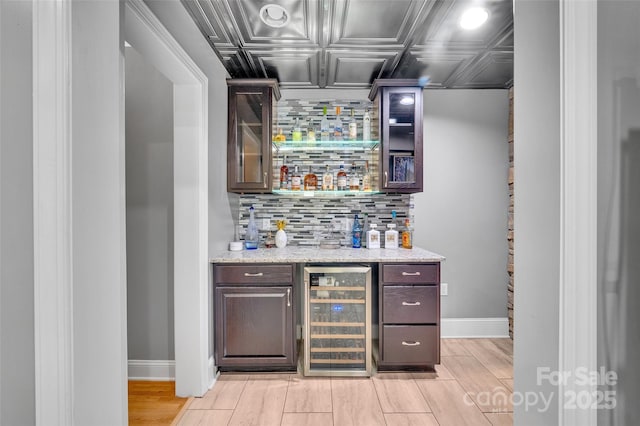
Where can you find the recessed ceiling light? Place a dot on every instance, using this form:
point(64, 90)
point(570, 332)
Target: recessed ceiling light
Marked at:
point(274, 15)
point(473, 18)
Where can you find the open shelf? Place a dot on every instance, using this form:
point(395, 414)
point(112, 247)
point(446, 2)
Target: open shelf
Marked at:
point(290, 145)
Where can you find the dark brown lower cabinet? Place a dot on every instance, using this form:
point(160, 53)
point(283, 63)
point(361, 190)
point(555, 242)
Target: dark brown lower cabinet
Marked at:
point(254, 321)
point(409, 304)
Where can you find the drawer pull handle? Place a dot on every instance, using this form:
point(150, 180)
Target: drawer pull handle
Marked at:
point(411, 274)
point(410, 303)
point(249, 274)
point(410, 343)
point(288, 297)
point(386, 179)
point(265, 180)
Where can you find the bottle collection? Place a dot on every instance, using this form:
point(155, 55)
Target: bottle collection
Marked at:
point(342, 128)
point(357, 178)
point(371, 238)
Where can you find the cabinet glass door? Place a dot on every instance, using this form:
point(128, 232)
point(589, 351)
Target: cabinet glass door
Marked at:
point(338, 318)
point(402, 140)
point(250, 138)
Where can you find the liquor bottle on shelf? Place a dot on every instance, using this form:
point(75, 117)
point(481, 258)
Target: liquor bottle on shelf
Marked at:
point(296, 135)
point(280, 136)
point(295, 179)
point(310, 181)
point(366, 126)
point(311, 133)
point(353, 127)
point(337, 126)
point(354, 178)
point(324, 125)
point(284, 174)
point(342, 179)
point(327, 180)
point(366, 178)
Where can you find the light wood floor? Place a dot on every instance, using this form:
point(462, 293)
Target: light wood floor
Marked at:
point(472, 386)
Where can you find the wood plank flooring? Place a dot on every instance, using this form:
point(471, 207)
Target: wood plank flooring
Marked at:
point(153, 403)
point(472, 386)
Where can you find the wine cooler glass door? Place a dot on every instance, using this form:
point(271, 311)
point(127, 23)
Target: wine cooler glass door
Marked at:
point(338, 321)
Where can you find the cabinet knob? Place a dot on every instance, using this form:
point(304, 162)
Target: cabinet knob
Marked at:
point(404, 343)
point(410, 303)
point(411, 274)
point(249, 274)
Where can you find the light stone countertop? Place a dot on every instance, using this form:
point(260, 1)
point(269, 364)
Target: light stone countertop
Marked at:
point(297, 254)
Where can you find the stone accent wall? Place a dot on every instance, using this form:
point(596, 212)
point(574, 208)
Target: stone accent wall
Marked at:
point(510, 231)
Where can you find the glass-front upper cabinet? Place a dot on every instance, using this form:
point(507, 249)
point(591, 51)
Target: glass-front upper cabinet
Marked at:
point(398, 115)
point(251, 108)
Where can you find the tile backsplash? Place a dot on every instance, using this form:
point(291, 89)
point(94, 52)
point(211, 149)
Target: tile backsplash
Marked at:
point(309, 219)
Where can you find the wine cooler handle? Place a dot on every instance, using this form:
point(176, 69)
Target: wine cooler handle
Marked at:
point(411, 274)
point(265, 180)
point(410, 303)
point(249, 274)
point(386, 178)
point(288, 297)
point(410, 343)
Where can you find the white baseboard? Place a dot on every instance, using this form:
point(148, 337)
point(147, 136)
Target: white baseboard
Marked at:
point(212, 372)
point(474, 327)
point(152, 370)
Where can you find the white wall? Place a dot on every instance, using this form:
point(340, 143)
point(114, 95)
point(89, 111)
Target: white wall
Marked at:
point(462, 213)
point(17, 378)
point(149, 176)
point(98, 212)
point(221, 204)
point(537, 203)
point(619, 203)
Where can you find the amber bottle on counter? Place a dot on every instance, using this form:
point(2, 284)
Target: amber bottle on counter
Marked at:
point(407, 235)
point(310, 181)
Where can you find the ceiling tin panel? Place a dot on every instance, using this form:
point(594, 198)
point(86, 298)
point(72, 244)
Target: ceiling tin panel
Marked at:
point(374, 22)
point(356, 69)
point(439, 67)
point(444, 29)
point(493, 70)
point(301, 29)
point(348, 43)
point(293, 68)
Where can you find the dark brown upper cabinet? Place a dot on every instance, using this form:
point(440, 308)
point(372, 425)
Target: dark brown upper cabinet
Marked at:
point(251, 108)
point(398, 116)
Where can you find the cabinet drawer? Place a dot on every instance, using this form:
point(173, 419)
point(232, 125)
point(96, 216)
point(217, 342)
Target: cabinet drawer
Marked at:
point(411, 344)
point(418, 273)
point(410, 304)
point(253, 274)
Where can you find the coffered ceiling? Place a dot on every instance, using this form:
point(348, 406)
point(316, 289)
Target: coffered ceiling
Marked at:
point(349, 43)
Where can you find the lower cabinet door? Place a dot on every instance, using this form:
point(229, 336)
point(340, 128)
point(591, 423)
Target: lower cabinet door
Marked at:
point(411, 344)
point(254, 326)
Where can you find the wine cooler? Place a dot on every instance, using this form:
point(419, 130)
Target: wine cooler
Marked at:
point(337, 334)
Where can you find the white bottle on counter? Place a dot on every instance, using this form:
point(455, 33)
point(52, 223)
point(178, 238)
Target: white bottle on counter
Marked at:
point(373, 237)
point(391, 237)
